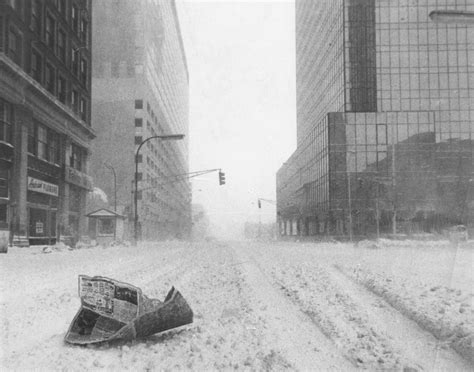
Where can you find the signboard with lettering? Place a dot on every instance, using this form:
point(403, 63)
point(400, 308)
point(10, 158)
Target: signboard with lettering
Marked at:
point(43, 187)
point(78, 178)
point(39, 227)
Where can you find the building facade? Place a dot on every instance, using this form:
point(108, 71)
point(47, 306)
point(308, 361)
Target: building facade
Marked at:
point(384, 118)
point(141, 89)
point(45, 128)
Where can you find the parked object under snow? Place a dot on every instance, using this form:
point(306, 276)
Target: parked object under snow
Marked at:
point(113, 310)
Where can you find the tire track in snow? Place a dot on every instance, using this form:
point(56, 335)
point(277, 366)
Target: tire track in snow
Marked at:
point(418, 346)
point(303, 344)
point(354, 320)
point(456, 333)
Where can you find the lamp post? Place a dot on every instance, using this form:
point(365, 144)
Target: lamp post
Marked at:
point(115, 197)
point(162, 137)
point(115, 185)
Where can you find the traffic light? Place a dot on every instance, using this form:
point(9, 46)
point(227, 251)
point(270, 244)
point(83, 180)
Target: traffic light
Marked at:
point(259, 203)
point(221, 178)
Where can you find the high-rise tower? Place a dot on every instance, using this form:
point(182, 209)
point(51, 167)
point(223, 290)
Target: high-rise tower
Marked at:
point(384, 118)
point(140, 89)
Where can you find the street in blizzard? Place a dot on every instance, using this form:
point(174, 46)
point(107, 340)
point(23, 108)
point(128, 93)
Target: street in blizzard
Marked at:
point(232, 185)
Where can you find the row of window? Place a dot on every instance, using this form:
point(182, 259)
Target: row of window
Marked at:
point(46, 74)
point(39, 15)
point(56, 83)
point(44, 143)
point(55, 39)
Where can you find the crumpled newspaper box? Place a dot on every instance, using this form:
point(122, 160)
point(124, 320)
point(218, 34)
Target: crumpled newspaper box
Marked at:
point(113, 310)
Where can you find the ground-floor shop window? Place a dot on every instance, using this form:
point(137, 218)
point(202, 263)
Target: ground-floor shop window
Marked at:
point(38, 222)
point(42, 225)
point(3, 216)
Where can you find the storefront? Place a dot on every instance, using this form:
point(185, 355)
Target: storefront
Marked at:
point(4, 206)
point(42, 211)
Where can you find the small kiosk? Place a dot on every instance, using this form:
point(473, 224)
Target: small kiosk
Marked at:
point(106, 226)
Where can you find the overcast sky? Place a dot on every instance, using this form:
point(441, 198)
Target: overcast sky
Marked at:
point(241, 59)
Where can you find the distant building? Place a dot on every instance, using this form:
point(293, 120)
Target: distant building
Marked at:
point(45, 127)
point(201, 223)
point(140, 89)
point(385, 120)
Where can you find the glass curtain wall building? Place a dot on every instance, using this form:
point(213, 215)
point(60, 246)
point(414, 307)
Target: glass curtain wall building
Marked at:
point(385, 119)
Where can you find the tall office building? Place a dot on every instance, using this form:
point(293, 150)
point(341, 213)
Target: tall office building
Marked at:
point(140, 89)
point(385, 121)
point(45, 128)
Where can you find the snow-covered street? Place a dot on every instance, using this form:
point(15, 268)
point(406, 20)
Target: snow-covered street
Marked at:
point(257, 306)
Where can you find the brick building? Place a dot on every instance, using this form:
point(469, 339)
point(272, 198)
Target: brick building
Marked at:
point(140, 89)
point(384, 118)
point(45, 129)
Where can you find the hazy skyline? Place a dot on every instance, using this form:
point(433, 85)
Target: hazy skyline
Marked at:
point(241, 60)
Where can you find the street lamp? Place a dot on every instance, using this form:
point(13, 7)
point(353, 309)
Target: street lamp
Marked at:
point(115, 196)
point(115, 185)
point(162, 137)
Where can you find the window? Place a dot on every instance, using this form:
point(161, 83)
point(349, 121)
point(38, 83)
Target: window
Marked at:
point(138, 140)
point(6, 121)
point(62, 45)
point(74, 60)
point(42, 142)
point(77, 157)
point(53, 147)
point(36, 66)
point(50, 23)
point(83, 109)
point(62, 89)
point(50, 78)
point(84, 71)
point(61, 5)
point(138, 123)
point(18, 6)
point(14, 46)
point(36, 17)
point(138, 104)
point(1, 34)
point(381, 134)
point(74, 17)
point(74, 100)
point(3, 212)
point(84, 25)
point(106, 226)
